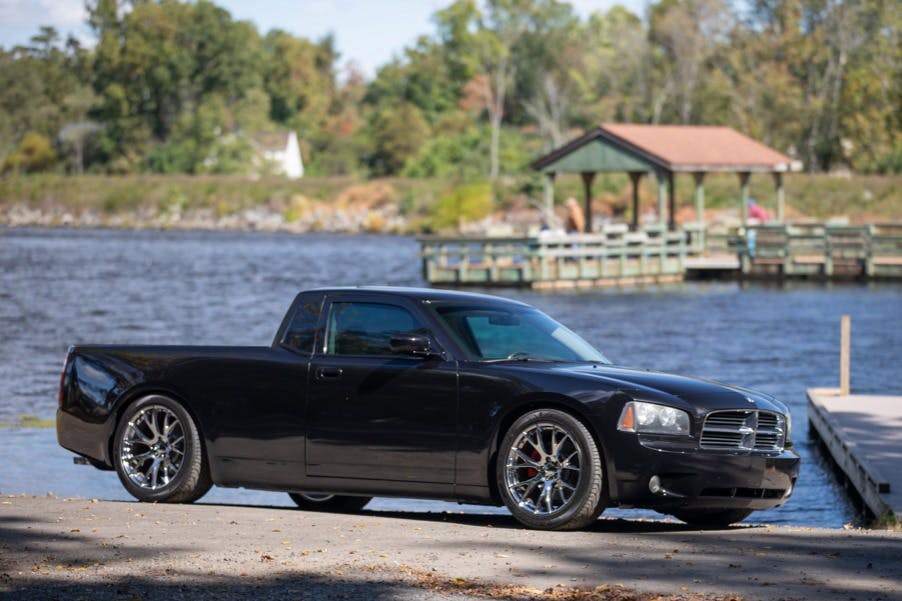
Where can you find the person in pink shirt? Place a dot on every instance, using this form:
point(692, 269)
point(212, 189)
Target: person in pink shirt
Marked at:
point(758, 212)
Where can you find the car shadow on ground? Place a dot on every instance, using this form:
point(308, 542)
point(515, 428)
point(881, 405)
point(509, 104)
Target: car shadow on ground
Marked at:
point(609, 525)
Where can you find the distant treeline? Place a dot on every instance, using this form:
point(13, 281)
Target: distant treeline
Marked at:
point(176, 87)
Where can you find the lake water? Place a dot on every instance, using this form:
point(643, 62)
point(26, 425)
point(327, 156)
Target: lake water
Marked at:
point(62, 287)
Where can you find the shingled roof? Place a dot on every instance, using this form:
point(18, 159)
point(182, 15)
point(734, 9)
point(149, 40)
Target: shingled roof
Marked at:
point(688, 148)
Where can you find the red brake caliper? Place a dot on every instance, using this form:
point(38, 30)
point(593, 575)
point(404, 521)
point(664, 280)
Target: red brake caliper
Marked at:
point(531, 471)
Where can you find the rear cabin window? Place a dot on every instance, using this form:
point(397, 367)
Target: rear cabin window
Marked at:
point(301, 332)
point(367, 328)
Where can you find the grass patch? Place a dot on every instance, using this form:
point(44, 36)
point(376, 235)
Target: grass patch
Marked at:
point(29, 421)
point(424, 201)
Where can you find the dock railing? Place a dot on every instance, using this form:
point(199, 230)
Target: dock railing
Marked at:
point(615, 255)
point(822, 250)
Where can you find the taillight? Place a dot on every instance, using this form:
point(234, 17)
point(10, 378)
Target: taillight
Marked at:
point(62, 393)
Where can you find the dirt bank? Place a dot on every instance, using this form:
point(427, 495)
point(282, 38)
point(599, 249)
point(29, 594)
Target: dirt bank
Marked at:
point(77, 548)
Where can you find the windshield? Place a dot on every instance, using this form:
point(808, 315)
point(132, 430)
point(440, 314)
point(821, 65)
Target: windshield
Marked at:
point(492, 333)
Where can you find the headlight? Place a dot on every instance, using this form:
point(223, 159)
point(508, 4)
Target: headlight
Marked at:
point(653, 419)
point(788, 426)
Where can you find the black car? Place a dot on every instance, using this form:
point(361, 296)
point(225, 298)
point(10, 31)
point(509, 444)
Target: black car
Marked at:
point(432, 394)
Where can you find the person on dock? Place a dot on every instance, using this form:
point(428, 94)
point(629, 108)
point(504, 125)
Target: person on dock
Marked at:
point(576, 221)
point(756, 211)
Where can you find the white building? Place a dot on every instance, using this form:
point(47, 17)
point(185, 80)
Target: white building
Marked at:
point(281, 150)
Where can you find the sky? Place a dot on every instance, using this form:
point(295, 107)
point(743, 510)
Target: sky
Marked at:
point(367, 32)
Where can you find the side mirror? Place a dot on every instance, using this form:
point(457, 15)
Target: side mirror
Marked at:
point(417, 345)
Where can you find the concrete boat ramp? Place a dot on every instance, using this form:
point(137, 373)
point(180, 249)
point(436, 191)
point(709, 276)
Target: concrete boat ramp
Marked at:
point(53, 548)
point(863, 435)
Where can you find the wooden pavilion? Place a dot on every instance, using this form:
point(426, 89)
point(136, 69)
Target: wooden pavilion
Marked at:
point(665, 150)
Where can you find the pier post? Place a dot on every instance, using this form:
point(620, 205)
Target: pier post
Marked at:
point(549, 195)
point(662, 197)
point(699, 177)
point(635, 176)
point(844, 354)
point(588, 176)
point(744, 196)
point(671, 209)
point(699, 196)
point(781, 196)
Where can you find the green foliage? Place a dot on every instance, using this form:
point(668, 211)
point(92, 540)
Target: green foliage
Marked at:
point(469, 202)
point(397, 134)
point(35, 153)
point(172, 86)
point(463, 155)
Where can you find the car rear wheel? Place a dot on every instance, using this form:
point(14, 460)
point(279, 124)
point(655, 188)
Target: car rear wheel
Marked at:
point(158, 454)
point(312, 501)
point(712, 518)
point(549, 471)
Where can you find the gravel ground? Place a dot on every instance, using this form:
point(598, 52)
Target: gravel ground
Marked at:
point(88, 549)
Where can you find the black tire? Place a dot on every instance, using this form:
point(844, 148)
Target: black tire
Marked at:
point(326, 502)
point(712, 518)
point(574, 467)
point(182, 474)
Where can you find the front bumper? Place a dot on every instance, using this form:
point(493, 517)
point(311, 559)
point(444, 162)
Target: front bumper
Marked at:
point(689, 477)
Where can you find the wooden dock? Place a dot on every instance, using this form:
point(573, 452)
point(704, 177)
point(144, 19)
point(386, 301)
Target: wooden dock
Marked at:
point(618, 256)
point(863, 434)
point(820, 251)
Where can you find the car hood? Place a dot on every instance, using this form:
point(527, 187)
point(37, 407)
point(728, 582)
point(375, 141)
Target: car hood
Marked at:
point(704, 394)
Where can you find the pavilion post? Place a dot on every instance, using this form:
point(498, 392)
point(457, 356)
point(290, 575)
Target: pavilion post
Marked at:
point(699, 177)
point(588, 176)
point(635, 176)
point(671, 197)
point(744, 196)
point(549, 194)
point(781, 196)
point(662, 197)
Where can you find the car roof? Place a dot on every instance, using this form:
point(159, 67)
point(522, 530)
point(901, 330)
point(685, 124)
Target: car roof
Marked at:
point(424, 294)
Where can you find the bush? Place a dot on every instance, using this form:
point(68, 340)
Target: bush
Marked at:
point(35, 153)
point(470, 202)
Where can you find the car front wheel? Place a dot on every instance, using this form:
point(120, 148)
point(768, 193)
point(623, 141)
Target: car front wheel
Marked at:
point(158, 454)
point(311, 501)
point(549, 471)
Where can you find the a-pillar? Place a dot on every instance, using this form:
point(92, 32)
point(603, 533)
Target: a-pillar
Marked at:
point(635, 176)
point(588, 176)
point(662, 197)
point(549, 196)
point(781, 196)
point(744, 196)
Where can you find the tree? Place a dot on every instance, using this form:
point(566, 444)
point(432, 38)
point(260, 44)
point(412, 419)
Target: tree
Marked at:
point(397, 134)
point(163, 70)
point(689, 33)
point(35, 153)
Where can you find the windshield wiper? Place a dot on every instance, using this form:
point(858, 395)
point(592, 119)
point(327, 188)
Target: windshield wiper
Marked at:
point(519, 357)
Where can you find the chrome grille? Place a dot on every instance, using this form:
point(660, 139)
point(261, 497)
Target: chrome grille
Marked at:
point(744, 430)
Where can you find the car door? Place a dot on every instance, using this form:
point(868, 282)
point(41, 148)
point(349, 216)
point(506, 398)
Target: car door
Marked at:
point(373, 414)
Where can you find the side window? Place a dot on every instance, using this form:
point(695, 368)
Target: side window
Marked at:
point(366, 328)
point(301, 332)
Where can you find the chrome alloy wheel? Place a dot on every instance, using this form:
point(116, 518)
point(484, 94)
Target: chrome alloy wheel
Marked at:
point(152, 448)
point(543, 468)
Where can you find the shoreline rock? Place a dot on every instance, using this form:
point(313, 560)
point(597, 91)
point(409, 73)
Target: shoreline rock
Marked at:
point(319, 219)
